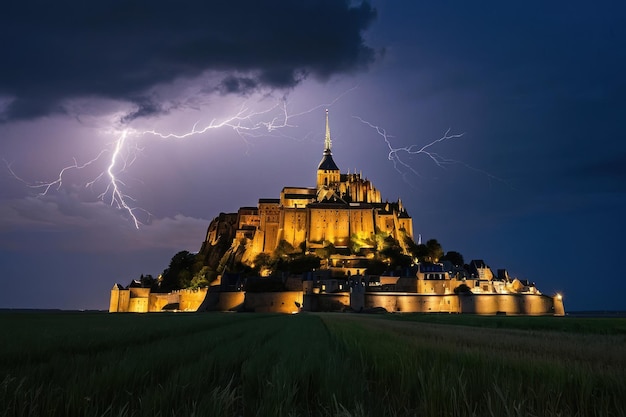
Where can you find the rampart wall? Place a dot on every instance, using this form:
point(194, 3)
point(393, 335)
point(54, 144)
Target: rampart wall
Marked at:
point(273, 302)
point(140, 300)
point(513, 304)
point(326, 302)
point(411, 302)
point(223, 301)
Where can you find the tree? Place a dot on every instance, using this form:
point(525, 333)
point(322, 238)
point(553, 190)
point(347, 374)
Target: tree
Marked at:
point(375, 267)
point(147, 281)
point(435, 251)
point(393, 252)
point(409, 244)
point(179, 273)
point(201, 278)
point(326, 251)
point(302, 263)
point(454, 257)
point(462, 289)
point(284, 249)
point(261, 261)
point(357, 242)
point(420, 252)
point(302, 247)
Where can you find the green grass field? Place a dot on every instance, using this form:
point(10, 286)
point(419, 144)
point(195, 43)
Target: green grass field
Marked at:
point(98, 364)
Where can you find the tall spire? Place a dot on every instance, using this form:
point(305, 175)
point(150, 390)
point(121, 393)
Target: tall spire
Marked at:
point(327, 163)
point(327, 141)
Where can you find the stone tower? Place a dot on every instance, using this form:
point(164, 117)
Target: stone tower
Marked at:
point(328, 173)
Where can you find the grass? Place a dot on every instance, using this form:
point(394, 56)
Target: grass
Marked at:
point(94, 364)
point(564, 324)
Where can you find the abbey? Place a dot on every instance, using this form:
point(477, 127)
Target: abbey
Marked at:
point(340, 209)
point(321, 247)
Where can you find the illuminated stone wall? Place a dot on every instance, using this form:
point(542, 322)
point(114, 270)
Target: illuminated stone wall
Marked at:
point(294, 225)
point(327, 177)
point(333, 301)
point(114, 301)
point(484, 304)
point(139, 300)
point(329, 224)
point(269, 216)
point(248, 216)
point(230, 301)
point(385, 223)
point(412, 303)
point(142, 300)
point(431, 286)
point(190, 300)
point(406, 223)
point(221, 225)
point(362, 221)
point(159, 300)
point(297, 196)
point(273, 302)
point(512, 304)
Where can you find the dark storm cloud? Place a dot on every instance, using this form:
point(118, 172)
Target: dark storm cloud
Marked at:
point(239, 85)
point(67, 223)
point(145, 107)
point(119, 49)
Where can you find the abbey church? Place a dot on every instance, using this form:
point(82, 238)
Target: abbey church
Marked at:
point(340, 208)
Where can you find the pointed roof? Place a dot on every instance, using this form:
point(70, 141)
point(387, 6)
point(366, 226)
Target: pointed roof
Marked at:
point(327, 162)
point(327, 142)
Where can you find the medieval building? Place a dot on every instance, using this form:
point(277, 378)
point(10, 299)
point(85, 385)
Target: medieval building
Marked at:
point(347, 212)
point(340, 208)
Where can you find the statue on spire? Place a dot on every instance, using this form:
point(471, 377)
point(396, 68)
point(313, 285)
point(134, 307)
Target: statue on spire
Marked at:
point(327, 141)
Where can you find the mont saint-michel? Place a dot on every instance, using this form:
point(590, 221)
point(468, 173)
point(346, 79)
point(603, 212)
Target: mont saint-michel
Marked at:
point(336, 246)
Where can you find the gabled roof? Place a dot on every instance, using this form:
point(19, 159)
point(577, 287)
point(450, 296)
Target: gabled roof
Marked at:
point(328, 195)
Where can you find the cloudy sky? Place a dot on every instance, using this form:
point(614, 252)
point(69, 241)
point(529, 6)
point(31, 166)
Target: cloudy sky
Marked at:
point(97, 102)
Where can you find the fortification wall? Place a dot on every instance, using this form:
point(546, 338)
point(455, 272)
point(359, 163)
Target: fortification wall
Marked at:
point(138, 305)
point(559, 308)
point(140, 300)
point(326, 301)
point(114, 301)
point(124, 301)
point(190, 300)
point(411, 302)
point(159, 300)
point(223, 301)
point(231, 301)
point(510, 304)
point(273, 302)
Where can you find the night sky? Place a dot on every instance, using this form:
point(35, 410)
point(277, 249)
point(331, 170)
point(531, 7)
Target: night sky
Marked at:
point(536, 183)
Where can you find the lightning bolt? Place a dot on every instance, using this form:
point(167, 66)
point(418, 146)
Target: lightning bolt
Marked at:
point(395, 154)
point(123, 151)
point(117, 196)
